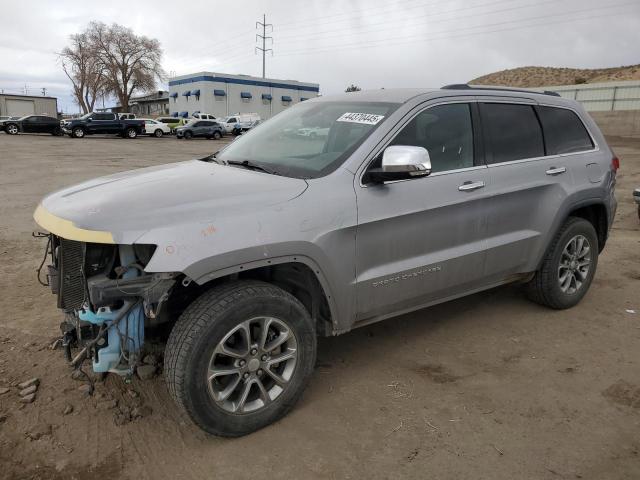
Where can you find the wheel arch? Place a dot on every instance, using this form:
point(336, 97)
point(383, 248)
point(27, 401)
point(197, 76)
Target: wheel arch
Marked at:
point(299, 275)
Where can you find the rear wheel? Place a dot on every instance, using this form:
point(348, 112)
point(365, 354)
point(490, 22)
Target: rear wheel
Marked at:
point(12, 129)
point(56, 132)
point(568, 267)
point(158, 133)
point(240, 357)
point(131, 133)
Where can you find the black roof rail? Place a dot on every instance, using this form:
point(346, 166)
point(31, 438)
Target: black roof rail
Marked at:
point(466, 86)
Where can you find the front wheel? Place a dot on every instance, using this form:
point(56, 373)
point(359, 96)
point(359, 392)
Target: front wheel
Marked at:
point(217, 135)
point(239, 357)
point(158, 133)
point(12, 129)
point(188, 135)
point(131, 133)
point(77, 132)
point(568, 266)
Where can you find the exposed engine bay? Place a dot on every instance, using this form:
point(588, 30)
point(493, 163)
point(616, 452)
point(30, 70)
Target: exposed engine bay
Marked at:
point(107, 298)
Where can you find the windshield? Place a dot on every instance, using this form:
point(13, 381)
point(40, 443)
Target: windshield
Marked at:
point(309, 140)
point(86, 115)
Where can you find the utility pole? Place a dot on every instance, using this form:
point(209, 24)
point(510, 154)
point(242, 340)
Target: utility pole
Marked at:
point(264, 38)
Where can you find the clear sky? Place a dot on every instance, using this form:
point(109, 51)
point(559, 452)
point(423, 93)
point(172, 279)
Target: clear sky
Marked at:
point(391, 43)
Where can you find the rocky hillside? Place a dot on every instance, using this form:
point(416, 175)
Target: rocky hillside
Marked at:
point(542, 76)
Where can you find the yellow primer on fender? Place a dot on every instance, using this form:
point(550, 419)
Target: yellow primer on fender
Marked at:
point(66, 229)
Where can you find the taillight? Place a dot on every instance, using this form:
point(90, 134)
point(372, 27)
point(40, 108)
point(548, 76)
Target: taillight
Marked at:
point(615, 163)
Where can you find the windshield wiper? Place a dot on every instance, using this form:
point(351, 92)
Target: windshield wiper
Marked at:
point(252, 166)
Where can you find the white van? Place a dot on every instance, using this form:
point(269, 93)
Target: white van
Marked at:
point(244, 119)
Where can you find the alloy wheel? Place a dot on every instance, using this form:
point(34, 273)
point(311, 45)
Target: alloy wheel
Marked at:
point(575, 262)
point(252, 365)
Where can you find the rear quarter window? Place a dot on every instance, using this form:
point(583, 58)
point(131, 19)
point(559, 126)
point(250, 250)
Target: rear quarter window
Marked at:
point(564, 132)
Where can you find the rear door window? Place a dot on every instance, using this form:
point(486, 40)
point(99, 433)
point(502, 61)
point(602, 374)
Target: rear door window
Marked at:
point(564, 132)
point(513, 131)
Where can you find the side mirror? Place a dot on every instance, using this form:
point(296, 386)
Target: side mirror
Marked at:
point(401, 162)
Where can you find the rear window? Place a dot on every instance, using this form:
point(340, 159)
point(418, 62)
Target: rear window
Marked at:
point(514, 131)
point(564, 132)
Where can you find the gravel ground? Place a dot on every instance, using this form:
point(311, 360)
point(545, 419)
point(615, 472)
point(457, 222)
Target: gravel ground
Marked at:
point(486, 387)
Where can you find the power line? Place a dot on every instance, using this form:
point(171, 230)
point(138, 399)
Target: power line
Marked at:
point(386, 20)
point(264, 38)
point(389, 24)
point(385, 42)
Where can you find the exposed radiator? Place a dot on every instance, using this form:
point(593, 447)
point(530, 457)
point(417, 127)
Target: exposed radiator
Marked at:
point(72, 285)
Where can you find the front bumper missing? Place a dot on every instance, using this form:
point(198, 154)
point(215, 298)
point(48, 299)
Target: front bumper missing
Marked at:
point(105, 316)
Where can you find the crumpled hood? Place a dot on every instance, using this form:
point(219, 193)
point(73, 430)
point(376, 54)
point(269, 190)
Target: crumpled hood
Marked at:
point(128, 204)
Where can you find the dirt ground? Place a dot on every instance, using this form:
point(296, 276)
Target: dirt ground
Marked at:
point(487, 387)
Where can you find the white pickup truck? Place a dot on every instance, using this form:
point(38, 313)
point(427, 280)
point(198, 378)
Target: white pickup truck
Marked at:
point(244, 119)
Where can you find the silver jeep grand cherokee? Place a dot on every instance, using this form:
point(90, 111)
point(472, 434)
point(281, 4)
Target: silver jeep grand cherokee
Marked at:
point(409, 198)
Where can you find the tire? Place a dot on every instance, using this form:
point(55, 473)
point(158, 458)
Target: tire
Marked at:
point(57, 132)
point(77, 132)
point(206, 325)
point(216, 135)
point(188, 135)
point(130, 133)
point(11, 129)
point(158, 133)
point(546, 287)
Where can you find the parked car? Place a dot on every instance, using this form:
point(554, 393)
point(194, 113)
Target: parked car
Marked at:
point(243, 119)
point(239, 128)
point(4, 119)
point(155, 128)
point(108, 123)
point(200, 128)
point(313, 132)
point(33, 124)
point(203, 116)
point(416, 197)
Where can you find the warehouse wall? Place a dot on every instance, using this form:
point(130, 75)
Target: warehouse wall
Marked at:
point(619, 123)
point(233, 86)
point(20, 105)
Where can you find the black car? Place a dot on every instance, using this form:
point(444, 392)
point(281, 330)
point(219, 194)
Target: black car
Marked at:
point(33, 124)
point(200, 128)
point(102, 122)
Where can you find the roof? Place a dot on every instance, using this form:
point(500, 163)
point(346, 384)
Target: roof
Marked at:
point(27, 96)
point(402, 95)
point(242, 80)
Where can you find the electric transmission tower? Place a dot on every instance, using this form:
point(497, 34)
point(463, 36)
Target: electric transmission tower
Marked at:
point(264, 38)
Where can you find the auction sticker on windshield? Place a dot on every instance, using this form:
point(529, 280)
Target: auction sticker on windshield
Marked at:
point(365, 118)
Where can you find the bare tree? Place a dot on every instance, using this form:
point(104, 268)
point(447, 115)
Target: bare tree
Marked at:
point(131, 62)
point(83, 69)
point(353, 88)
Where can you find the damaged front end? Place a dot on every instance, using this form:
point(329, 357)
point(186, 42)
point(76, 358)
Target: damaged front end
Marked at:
point(107, 298)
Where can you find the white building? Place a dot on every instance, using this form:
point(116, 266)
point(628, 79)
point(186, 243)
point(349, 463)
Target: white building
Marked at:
point(221, 95)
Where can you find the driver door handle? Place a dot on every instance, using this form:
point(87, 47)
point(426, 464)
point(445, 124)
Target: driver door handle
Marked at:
point(470, 186)
point(556, 170)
